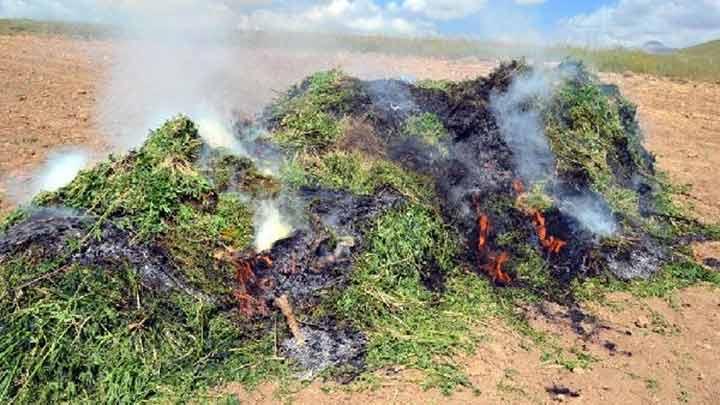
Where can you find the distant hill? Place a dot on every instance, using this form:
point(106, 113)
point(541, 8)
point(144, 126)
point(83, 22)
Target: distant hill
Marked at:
point(10, 26)
point(657, 48)
point(707, 49)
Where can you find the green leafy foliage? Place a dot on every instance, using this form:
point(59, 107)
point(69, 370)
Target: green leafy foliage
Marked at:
point(673, 277)
point(309, 116)
point(427, 127)
point(145, 189)
point(357, 173)
point(406, 323)
point(11, 219)
point(94, 335)
point(430, 84)
point(582, 129)
point(78, 334)
point(195, 235)
point(588, 132)
point(229, 172)
point(81, 334)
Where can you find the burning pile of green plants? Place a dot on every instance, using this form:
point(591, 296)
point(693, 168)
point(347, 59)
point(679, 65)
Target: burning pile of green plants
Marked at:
point(416, 213)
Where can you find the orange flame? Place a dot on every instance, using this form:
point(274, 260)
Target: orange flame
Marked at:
point(488, 262)
point(495, 268)
point(552, 244)
point(483, 231)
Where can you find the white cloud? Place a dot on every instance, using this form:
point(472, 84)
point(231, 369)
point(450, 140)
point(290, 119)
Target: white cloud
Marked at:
point(359, 16)
point(121, 11)
point(444, 9)
point(676, 23)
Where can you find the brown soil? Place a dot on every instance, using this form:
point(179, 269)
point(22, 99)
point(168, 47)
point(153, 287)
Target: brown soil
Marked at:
point(682, 125)
point(48, 96)
point(646, 351)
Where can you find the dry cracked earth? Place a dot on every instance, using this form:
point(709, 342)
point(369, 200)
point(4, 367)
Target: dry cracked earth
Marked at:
point(645, 350)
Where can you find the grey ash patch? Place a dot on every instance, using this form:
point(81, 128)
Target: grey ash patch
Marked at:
point(72, 237)
point(326, 349)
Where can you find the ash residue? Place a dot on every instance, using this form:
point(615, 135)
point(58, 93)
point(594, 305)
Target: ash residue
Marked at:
point(638, 259)
point(74, 238)
point(314, 260)
point(319, 257)
point(326, 349)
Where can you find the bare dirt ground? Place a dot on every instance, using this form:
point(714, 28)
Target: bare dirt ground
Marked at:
point(47, 100)
point(682, 124)
point(639, 351)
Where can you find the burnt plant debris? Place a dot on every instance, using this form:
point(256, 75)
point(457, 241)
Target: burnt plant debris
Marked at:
point(71, 239)
point(414, 217)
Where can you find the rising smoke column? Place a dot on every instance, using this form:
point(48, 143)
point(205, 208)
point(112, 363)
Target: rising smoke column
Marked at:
point(517, 112)
point(522, 127)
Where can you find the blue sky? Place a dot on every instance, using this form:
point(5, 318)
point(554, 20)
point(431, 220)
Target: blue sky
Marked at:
point(546, 15)
point(591, 22)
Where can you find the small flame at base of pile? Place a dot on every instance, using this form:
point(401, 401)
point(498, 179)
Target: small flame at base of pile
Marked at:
point(490, 263)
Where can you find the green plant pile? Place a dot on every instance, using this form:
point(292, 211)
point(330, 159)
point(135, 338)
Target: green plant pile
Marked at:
point(75, 334)
point(310, 117)
point(72, 333)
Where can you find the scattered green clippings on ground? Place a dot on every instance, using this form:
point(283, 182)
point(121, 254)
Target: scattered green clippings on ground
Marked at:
point(670, 279)
point(310, 115)
point(672, 219)
point(570, 360)
point(652, 385)
point(673, 277)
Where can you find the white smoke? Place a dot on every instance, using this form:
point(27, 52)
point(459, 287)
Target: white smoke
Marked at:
point(520, 121)
point(217, 134)
point(522, 126)
point(59, 170)
point(591, 211)
point(270, 225)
